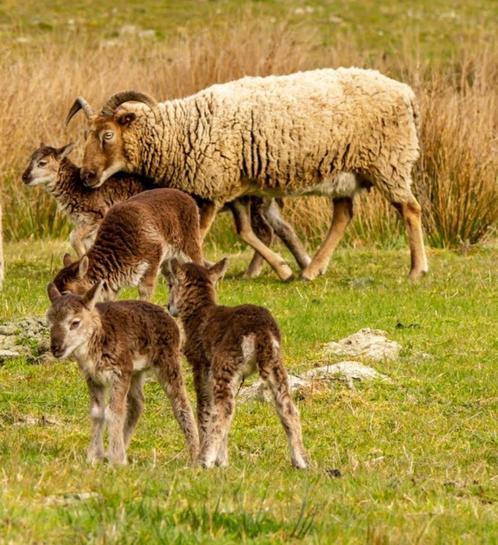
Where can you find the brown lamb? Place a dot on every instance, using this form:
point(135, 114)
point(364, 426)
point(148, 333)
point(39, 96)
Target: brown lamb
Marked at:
point(114, 345)
point(86, 207)
point(134, 241)
point(224, 345)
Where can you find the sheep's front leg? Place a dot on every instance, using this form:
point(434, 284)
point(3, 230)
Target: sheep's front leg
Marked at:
point(97, 416)
point(243, 224)
point(343, 212)
point(207, 213)
point(116, 417)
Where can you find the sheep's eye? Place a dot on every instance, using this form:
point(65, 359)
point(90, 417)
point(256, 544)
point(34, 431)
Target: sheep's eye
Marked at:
point(74, 324)
point(42, 163)
point(108, 135)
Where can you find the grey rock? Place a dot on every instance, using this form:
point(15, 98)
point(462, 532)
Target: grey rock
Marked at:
point(366, 343)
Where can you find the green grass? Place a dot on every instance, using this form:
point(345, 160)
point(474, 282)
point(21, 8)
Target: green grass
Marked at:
point(375, 27)
point(418, 458)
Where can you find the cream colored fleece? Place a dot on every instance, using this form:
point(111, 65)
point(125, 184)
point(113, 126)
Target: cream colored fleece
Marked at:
point(281, 135)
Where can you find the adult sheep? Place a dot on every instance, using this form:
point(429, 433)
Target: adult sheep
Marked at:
point(321, 132)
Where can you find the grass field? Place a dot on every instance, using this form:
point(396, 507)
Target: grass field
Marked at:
point(418, 458)
point(411, 462)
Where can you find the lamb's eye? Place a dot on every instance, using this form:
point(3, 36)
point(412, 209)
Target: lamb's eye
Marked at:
point(108, 135)
point(74, 324)
point(42, 163)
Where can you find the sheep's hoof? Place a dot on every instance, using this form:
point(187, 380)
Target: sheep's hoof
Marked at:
point(285, 273)
point(416, 275)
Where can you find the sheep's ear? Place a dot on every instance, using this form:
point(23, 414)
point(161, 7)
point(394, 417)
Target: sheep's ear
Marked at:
point(53, 292)
point(126, 118)
point(67, 260)
point(92, 296)
point(219, 269)
point(83, 266)
point(65, 150)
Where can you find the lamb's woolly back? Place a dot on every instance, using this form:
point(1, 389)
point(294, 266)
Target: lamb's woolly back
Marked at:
point(135, 238)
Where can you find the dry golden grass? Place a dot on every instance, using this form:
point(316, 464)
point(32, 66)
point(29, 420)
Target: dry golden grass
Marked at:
point(456, 178)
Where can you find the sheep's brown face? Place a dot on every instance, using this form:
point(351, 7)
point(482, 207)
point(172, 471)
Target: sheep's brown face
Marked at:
point(104, 149)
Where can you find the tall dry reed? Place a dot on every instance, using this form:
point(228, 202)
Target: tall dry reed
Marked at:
point(456, 177)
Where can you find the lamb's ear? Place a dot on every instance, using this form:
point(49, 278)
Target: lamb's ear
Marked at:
point(219, 269)
point(67, 260)
point(65, 150)
point(173, 267)
point(83, 266)
point(53, 292)
point(126, 118)
point(92, 296)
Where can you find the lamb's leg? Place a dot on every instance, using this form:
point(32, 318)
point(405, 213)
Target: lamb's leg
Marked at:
point(343, 213)
point(148, 281)
point(116, 416)
point(263, 230)
point(286, 233)
point(411, 213)
point(97, 416)
point(221, 415)
point(243, 223)
point(135, 406)
point(276, 377)
point(77, 239)
point(169, 374)
point(204, 399)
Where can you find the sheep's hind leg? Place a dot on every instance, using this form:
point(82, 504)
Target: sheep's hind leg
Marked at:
point(343, 213)
point(263, 230)
point(286, 233)
point(243, 223)
point(411, 213)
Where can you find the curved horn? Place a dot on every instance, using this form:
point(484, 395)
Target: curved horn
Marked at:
point(126, 96)
point(80, 104)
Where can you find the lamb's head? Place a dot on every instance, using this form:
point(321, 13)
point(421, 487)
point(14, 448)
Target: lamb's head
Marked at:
point(43, 167)
point(72, 319)
point(104, 152)
point(192, 285)
point(72, 278)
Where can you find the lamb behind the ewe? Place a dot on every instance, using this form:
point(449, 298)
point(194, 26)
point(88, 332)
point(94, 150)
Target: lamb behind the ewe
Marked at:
point(135, 239)
point(86, 207)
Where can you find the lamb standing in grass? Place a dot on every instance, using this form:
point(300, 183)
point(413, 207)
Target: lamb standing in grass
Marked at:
point(134, 241)
point(322, 132)
point(224, 345)
point(114, 345)
point(50, 167)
